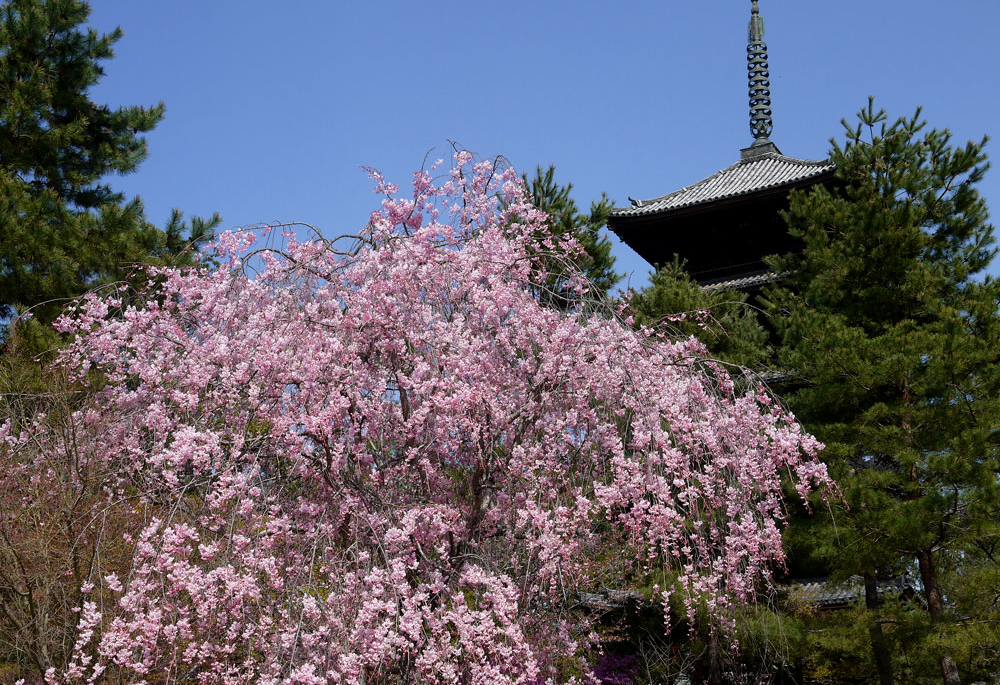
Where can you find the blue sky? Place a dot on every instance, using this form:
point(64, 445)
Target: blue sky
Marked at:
point(272, 108)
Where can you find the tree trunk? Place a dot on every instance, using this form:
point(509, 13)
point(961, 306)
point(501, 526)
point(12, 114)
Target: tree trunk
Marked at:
point(935, 606)
point(714, 660)
point(883, 662)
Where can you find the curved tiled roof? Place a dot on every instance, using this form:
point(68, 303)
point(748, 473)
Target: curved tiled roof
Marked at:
point(766, 171)
point(751, 280)
point(823, 592)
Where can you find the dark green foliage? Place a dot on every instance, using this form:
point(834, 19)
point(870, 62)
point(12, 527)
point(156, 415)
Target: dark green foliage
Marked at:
point(567, 220)
point(62, 228)
point(894, 333)
point(723, 319)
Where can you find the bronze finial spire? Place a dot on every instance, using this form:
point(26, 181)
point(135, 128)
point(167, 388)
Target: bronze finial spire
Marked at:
point(760, 80)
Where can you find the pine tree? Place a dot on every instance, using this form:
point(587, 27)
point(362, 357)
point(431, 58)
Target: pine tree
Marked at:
point(62, 228)
point(567, 220)
point(722, 319)
point(888, 321)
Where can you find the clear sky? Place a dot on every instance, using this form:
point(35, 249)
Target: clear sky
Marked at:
point(273, 107)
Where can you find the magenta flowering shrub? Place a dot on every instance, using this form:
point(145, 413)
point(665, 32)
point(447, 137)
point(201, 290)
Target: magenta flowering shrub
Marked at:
point(393, 465)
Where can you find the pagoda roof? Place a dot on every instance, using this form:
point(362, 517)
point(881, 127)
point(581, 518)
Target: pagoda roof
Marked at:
point(759, 171)
point(741, 282)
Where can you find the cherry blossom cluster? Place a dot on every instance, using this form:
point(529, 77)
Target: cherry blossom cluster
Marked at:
point(389, 463)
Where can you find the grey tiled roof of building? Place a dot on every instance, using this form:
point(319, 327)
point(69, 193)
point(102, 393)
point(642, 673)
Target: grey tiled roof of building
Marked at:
point(767, 171)
point(814, 592)
point(740, 282)
point(608, 599)
point(822, 592)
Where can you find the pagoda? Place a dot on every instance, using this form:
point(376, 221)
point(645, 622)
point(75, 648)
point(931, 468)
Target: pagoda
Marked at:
point(723, 226)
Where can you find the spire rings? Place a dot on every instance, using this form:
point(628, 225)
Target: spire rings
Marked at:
point(761, 123)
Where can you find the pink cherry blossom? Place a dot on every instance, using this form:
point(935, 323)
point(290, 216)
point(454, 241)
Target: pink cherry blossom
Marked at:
point(382, 460)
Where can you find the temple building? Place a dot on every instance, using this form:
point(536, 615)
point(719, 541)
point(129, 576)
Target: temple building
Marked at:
point(723, 226)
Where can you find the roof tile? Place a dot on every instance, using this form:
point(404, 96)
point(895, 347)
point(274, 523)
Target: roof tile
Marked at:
point(822, 592)
point(741, 282)
point(762, 172)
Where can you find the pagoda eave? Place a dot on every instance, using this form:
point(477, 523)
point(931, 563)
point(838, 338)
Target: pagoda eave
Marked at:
point(727, 238)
